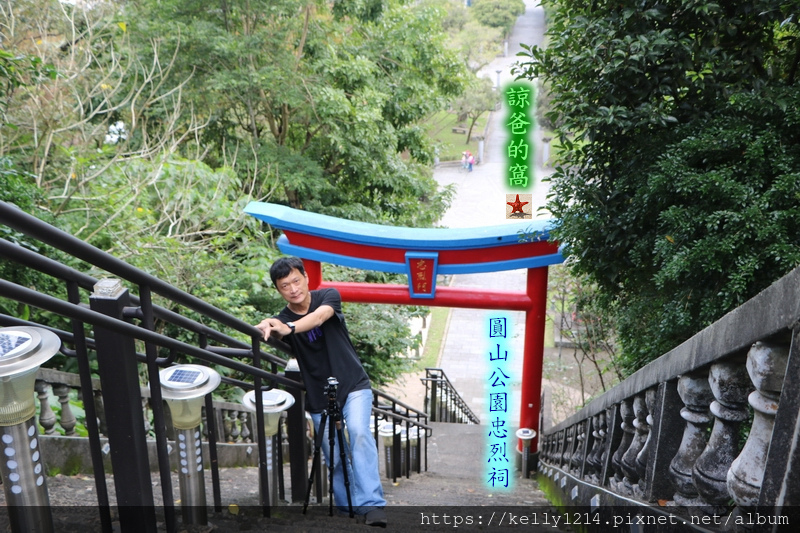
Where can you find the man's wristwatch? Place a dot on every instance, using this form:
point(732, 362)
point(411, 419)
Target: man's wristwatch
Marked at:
point(291, 326)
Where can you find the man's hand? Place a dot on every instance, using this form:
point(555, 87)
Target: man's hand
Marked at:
point(273, 327)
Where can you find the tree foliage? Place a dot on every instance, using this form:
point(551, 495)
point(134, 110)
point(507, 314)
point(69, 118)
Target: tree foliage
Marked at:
point(479, 98)
point(168, 116)
point(677, 187)
point(500, 14)
point(334, 121)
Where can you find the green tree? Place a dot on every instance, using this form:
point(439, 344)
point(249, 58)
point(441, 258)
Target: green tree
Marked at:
point(167, 117)
point(18, 71)
point(501, 14)
point(334, 121)
point(479, 98)
point(677, 122)
point(477, 44)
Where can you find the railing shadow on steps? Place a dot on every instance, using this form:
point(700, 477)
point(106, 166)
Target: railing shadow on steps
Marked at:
point(443, 401)
point(132, 326)
point(676, 441)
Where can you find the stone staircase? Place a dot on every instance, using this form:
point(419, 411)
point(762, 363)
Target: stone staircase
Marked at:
point(453, 485)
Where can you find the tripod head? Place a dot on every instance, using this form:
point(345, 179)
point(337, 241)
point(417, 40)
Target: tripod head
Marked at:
point(330, 392)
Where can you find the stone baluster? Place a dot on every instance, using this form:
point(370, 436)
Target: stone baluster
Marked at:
point(557, 447)
point(245, 432)
point(695, 392)
point(576, 459)
point(145, 407)
point(591, 456)
point(47, 418)
point(641, 457)
point(235, 429)
point(610, 440)
point(628, 462)
point(766, 364)
point(730, 386)
point(596, 457)
point(548, 450)
point(644, 454)
point(100, 409)
point(566, 454)
point(628, 431)
point(68, 420)
point(562, 439)
point(227, 424)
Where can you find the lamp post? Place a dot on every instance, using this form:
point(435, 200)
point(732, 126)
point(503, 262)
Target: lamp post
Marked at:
point(22, 351)
point(184, 388)
point(274, 402)
point(525, 435)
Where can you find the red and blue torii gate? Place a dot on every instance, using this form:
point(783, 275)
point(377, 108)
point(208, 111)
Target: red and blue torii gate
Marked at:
point(421, 254)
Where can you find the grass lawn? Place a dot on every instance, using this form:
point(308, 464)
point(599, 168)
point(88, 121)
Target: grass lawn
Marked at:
point(440, 130)
point(433, 344)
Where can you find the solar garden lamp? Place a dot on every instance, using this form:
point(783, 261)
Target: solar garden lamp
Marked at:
point(413, 441)
point(403, 447)
point(22, 351)
point(387, 431)
point(184, 388)
point(525, 435)
point(273, 402)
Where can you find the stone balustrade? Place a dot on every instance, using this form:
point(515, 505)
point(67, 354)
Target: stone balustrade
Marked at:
point(234, 425)
point(709, 432)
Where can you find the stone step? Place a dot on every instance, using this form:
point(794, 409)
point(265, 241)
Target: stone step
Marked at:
point(455, 480)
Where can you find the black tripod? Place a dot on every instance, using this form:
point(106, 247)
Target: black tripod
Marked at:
point(334, 419)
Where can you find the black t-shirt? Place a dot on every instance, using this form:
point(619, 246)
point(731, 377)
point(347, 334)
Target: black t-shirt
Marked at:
point(324, 352)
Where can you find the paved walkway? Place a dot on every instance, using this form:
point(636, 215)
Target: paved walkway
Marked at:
point(480, 200)
point(454, 477)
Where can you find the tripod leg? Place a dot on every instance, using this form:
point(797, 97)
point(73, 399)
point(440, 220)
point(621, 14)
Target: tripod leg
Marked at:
point(331, 467)
point(343, 459)
point(317, 445)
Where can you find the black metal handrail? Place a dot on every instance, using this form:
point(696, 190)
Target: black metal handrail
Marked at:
point(229, 352)
point(442, 400)
point(49, 303)
point(31, 226)
point(406, 417)
point(87, 316)
point(146, 311)
point(53, 268)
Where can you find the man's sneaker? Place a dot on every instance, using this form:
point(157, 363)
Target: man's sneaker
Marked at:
point(376, 517)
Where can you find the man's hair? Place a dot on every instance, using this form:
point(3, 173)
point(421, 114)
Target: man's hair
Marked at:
point(283, 267)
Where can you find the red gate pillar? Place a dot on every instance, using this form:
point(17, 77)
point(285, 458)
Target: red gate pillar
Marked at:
point(531, 389)
point(314, 273)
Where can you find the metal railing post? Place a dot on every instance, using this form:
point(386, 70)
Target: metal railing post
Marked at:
point(296, 429)
point(435, 401)
point(119, 377)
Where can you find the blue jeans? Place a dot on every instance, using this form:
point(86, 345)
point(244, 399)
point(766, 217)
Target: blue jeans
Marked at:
point(366, 491)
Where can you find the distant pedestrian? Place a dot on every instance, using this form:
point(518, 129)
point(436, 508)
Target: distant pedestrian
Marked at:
point(464, 160)
point(470, 161)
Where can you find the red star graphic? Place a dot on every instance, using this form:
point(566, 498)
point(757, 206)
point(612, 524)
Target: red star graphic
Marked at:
point(516, 206)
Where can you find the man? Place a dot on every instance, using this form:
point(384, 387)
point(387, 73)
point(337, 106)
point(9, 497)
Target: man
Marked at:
point(313, 324)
